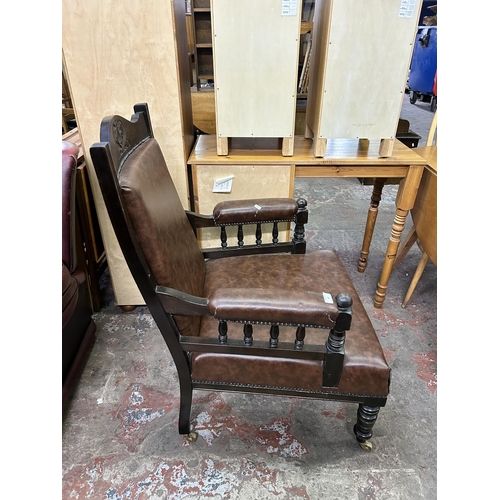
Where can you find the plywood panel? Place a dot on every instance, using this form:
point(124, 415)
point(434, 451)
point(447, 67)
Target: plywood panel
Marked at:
point(117, 54)
point(361, 67)
point(256, 52)
point(203, 102)
point(250, 181)
point(319, 54)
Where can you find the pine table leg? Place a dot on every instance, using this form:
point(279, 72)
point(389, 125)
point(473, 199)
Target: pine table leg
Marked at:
point(378, 186)
point(405, 200)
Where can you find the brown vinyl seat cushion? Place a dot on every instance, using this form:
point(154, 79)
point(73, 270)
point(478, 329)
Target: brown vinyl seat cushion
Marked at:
point(365, 369)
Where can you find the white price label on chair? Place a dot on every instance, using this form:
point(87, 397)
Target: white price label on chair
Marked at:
point(327, 298)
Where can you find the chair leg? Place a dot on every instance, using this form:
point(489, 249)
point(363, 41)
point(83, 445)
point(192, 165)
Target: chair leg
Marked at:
point(367, 416)
point(186, 400)
point(416, 278)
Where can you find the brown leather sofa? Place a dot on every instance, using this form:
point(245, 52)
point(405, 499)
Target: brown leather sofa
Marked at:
point(78, 327)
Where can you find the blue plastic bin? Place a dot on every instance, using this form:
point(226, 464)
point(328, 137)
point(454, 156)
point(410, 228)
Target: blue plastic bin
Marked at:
point(424, 63)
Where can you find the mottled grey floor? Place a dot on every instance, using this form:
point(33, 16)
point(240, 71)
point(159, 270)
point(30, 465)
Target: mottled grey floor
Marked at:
point(120, 437)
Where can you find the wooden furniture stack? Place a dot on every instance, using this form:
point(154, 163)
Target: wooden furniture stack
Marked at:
point(360, 58)
point(115, 55)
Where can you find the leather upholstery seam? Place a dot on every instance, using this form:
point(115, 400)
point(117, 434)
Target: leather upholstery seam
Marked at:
point(242, 321)
point(275, 387)
point(217, 224)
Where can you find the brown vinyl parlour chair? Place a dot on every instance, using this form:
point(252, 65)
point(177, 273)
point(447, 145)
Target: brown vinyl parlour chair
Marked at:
point(78, 327)
point(265, 317)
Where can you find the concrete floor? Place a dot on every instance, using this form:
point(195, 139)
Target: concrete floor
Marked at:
point(120, 437)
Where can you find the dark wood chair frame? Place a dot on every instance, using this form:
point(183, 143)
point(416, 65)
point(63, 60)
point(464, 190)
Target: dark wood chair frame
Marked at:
point(118, 137)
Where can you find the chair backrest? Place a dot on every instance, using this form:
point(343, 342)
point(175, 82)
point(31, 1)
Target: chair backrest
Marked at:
point(69, 161)
point(150, 223)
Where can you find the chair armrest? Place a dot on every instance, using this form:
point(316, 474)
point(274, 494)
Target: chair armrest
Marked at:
point(235, 212)
point(255, 210)
point(257, 305)
point(199, 221)
point(177, 302)
point(273, 307)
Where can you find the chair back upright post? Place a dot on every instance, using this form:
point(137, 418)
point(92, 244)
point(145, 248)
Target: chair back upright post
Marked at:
point(110, 154)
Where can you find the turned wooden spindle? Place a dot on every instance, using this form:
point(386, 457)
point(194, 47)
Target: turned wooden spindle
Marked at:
point(248, 332)
point(258, 234)
point(240, 235)
point(222, 332)
point(334, 347)
point(299, 231)
point(335, 342)
point(275, 233)
point(223, 237)
point(274, 334)
point(300, 335)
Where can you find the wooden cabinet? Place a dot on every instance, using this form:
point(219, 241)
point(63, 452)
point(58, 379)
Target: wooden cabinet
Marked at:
point(361, 53)
point(255, 49)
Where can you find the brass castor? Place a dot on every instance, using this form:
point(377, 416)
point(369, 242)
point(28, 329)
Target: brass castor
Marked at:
point(366, 446)
point(128, 308)
point(191, 437)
